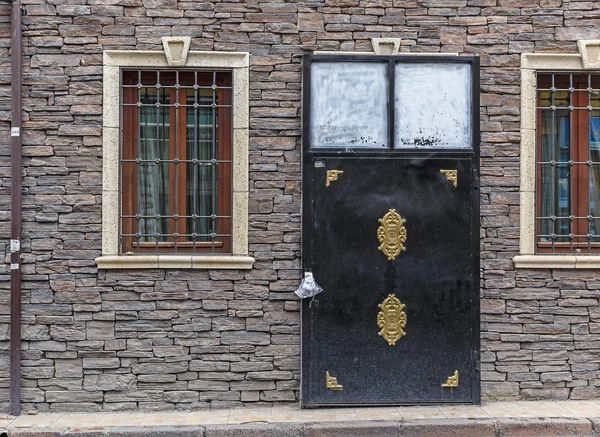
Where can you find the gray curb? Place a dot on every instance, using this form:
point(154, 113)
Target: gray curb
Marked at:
point(510, 427)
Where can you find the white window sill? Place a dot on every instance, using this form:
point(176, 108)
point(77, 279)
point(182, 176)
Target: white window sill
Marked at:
point(557, 261)
point(175, 262)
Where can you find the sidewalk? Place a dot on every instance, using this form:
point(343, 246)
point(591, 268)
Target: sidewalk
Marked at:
point(498, 419)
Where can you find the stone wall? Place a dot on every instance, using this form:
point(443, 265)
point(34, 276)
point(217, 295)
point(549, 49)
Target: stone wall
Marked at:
point(161, 339)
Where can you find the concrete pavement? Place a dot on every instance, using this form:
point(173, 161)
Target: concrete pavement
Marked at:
point(494, 419)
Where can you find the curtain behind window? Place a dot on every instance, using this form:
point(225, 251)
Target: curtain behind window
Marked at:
point(199, 139)
point(153, 177)
point(555, 198)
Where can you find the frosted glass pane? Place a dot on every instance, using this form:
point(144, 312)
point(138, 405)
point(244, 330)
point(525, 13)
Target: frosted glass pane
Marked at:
point(433, 105)
point(348, 104)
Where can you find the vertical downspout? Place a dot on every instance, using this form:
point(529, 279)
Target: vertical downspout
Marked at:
point(15, 209)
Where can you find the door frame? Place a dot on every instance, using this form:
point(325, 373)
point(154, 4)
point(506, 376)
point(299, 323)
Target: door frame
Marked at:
point(309, 156)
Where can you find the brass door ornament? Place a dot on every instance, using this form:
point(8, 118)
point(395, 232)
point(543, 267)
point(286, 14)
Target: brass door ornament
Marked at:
point(391, 234)
point(451, 175)
point(391, 320)
point(332, 175)
point(331, 382)
point(452, 381)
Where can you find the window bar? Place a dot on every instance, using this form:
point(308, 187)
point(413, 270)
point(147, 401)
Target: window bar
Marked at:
point(589, 164)
point(158, 109)
point(214, 163)
point(139, 156)
point(195, 166)
point(121, 240)
point(176, 163)
point(570, 165)
point(553, 164)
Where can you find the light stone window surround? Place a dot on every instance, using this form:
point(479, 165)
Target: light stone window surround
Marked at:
point(114, 61)
point(531, 63)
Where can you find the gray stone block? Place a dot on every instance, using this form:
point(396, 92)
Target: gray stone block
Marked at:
point(72, 396)
point(100, 330)
point(101, 363)
point(353, 429)
point(545, 427)
point(245, 337)
point(108, 382)
point(448, 427)
point(255, 430)
point(157, 431)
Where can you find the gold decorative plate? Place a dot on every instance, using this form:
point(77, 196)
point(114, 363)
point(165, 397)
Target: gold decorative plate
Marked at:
point(391, 320)
point(391, 234)
point(452, 381)
point(331, 382)
point(451, 175)
point(332, 176)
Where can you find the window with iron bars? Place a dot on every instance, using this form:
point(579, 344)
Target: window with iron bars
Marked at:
point(568, 163)
point(176, 162)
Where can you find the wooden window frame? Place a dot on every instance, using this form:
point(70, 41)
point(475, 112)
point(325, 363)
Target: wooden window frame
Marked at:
point(579, 173)
point(177, 178)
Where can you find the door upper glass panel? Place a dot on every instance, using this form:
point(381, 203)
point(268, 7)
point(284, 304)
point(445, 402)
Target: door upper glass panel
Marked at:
point(372, 103)
point(432, 105)
point(349, 104)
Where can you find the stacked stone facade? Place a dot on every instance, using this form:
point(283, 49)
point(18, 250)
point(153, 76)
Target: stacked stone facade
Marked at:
point(165, 339)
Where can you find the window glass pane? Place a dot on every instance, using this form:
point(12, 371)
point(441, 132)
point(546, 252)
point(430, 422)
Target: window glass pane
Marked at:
point(148, 78)
point(153, 173)
point(349, 104)
point(594, 174)
point(223, 79)
point(201, 181)
point(555, 189)
point(433, 105)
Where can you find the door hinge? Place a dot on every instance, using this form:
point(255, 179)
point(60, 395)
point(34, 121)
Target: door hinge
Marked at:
point(475, 179)
point(477, 361)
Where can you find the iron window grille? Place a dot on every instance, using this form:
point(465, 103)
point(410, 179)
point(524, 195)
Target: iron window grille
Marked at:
point(176, 161)
point(568, 163)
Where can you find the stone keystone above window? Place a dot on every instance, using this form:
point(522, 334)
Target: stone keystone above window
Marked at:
point(386, 46)
point(176, 49)
point(590, 53)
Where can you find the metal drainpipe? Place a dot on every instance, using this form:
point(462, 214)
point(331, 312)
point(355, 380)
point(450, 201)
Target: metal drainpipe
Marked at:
point(15, 208)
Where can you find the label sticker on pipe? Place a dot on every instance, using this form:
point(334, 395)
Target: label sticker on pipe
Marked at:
point(15, 245)
point(15, 132)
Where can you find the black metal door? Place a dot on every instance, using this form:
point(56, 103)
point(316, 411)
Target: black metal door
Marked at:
point(394, 325)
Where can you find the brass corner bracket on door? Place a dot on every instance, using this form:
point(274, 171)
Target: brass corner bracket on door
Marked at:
point(451, 175)
point(452, 381)
point(331, 382)
point(391, 234)
point(332, 176)
point(391, 319)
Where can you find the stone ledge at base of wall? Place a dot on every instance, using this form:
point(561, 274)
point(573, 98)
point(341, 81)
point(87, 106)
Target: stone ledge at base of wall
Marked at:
point(510, 427)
